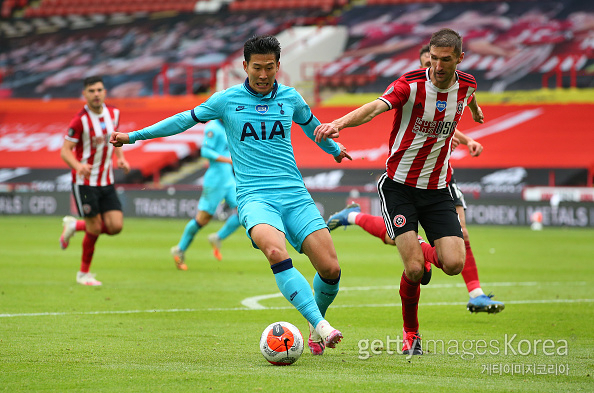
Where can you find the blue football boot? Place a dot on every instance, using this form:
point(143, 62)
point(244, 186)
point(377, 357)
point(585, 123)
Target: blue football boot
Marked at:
point(341, 218)
point(484, 303)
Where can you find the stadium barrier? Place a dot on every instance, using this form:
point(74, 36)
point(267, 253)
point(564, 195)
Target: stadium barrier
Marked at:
point(175, 203)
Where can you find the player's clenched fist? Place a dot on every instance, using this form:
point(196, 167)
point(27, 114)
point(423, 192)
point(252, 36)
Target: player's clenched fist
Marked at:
point(119, 138)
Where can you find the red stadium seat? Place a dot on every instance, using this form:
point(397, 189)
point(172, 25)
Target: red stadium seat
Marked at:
point(255, 4)
point(361, 80)
point(237, 6)
point(292, 4)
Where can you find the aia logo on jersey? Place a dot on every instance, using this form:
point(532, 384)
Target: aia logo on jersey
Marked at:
point(261, 109)
point(441, 105)
point(249, 131)
point(460, 107)
point(399, 221)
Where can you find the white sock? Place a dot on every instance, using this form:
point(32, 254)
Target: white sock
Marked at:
point(476, 292)
point(351, 217)
point(324, 329)
point(314, 334)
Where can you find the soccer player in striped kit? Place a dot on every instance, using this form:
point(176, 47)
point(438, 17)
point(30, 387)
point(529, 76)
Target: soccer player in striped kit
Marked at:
point(375, 225)
point(274, 205)
point(87, 151)
point(428, 105)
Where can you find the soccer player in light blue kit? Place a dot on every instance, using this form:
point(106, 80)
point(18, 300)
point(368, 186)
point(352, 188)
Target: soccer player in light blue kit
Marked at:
point(273, 203)
point(219, 184)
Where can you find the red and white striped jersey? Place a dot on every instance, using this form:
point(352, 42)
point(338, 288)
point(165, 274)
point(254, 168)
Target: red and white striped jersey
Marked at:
point(91, 133)
point(423, 127)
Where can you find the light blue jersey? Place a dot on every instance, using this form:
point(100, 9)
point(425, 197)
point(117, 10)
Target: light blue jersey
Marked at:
point(258, 130)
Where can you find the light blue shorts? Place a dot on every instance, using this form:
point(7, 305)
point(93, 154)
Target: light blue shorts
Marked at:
point(292, 212)
point(212, 196)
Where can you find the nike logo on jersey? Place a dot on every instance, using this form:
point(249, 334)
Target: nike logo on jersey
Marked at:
point(239, 108)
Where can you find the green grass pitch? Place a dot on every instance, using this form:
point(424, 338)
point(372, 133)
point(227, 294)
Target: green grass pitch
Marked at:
point(152, 328)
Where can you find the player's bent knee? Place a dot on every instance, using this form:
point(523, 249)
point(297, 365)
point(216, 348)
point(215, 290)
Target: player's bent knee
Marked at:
point(115, 230)
point(275, 254)
point(331, 272)
point(414, 272)
point(453, 268)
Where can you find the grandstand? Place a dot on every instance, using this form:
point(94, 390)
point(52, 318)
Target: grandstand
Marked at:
point(159, 58)
point(140, 45)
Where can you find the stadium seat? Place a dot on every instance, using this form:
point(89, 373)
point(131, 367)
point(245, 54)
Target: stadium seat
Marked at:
point(236, 6)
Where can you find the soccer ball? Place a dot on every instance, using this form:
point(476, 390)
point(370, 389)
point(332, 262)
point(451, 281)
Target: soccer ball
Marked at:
point(281, 343)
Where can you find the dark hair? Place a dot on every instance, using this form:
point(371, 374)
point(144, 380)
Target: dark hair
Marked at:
point(424, 49)
point(261, 45)
point(446, 38)
point(91, 80)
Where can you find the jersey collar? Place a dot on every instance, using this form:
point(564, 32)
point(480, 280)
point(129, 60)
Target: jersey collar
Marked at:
point(91, 113)
point(270, 95)
point(455, 85)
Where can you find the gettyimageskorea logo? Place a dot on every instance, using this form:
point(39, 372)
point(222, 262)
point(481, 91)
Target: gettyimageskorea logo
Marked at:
point(508, 345)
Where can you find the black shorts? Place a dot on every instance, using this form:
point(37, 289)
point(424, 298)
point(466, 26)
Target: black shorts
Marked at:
point(91, 200)
point(457, 194)
point(404, 207)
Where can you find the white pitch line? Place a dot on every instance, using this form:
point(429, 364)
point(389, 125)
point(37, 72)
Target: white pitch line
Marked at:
point(43, 314)
point(538, 301)
point(251, 303)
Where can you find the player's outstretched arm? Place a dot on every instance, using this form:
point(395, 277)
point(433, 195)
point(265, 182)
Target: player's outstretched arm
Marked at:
point(354, 118)
point(170, 126)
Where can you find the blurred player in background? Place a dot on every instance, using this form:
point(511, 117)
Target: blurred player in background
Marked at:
point(351, 215)
point(219, 185)
point(425, 56)
point(87, 151)
point(274, 205)
point(428, 105)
